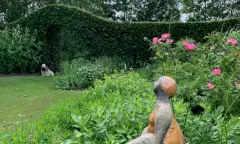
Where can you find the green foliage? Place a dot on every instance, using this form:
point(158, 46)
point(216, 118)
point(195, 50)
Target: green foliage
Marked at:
point(205, 10)
point(226, 57)
point(155, 10)
point(234, 33)
point(70, 30)
point(139, 10)
point(111, 63)
point(193, 70)
point(93, 6)
point(79, 73)
point(211, 127)
point(113, 108)
point(113, 116)
point(25, 99)
point(115, 111)
point(130, 10)
point(12, 10)
point(19, 50)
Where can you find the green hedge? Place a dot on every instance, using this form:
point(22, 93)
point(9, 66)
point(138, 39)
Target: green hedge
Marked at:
point(73, 32)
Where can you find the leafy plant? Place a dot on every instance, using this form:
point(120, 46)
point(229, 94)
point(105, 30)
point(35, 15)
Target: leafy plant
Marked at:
point(193, 65)
point(116, 110)
point(79, 73)
point(19, 50)
point(111, 63)
point(86, 35)
point(107, 113)
point(211, 127)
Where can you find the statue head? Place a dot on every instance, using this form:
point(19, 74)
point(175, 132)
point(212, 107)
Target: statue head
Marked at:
point(165, 84)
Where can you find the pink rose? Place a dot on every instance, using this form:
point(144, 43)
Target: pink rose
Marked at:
point(169, 41)
point(155, 40)
point(210, 85)
point(185, 43)
point(232, 41)
point(165, 36)
point(160, 41)
point(216, 71)
point(190, 46)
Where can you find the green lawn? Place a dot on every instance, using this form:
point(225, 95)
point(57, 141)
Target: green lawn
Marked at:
point(29, 96)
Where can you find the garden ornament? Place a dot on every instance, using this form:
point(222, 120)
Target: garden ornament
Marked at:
point(163, 127)
point(45, 71)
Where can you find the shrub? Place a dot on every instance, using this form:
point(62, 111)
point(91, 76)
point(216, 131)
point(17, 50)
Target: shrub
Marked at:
point(194, 66)
point(111, 63)
point(210, 127)
point(78, 74)
point(19, 50)
point(114, 107)
point(115, 111)
point(79, 33)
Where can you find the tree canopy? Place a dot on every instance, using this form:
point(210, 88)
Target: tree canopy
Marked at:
point(207, 10)
point(131, 10)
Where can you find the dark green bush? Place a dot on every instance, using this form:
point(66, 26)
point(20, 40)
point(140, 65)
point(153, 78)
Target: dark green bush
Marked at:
point(19, 50)
point(78, 74)
point(79, 33)
point(111, 63)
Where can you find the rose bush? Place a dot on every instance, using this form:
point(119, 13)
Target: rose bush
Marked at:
point(208, 72)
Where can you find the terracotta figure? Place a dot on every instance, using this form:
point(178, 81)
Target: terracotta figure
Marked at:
point(163, 127)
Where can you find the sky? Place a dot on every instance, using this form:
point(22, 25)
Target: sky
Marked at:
point(183, 17)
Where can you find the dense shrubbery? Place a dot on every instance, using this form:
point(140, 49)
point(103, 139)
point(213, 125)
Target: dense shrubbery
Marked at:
point(81, 73)
point(78, 74)
point(19, 50)
point(78, 33)
point(117, 110)
point(111, 63)
point(113, 107)
point(204, 72)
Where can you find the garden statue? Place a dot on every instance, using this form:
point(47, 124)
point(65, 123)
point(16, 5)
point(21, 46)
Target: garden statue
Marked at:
point(45, 71)
point(163, 127)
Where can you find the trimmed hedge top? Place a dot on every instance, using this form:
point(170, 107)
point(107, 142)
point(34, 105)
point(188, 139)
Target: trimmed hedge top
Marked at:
point(70, 31)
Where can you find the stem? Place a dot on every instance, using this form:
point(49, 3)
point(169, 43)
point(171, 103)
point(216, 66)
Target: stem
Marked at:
point(186, 116)
point(172, 107)
point(169, 71)
point(187, 111)
point(226, 103)
point(225, 133)
point(232, 104)
point(221, 136)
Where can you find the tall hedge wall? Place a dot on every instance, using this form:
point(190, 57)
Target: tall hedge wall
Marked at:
point(69, 30)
